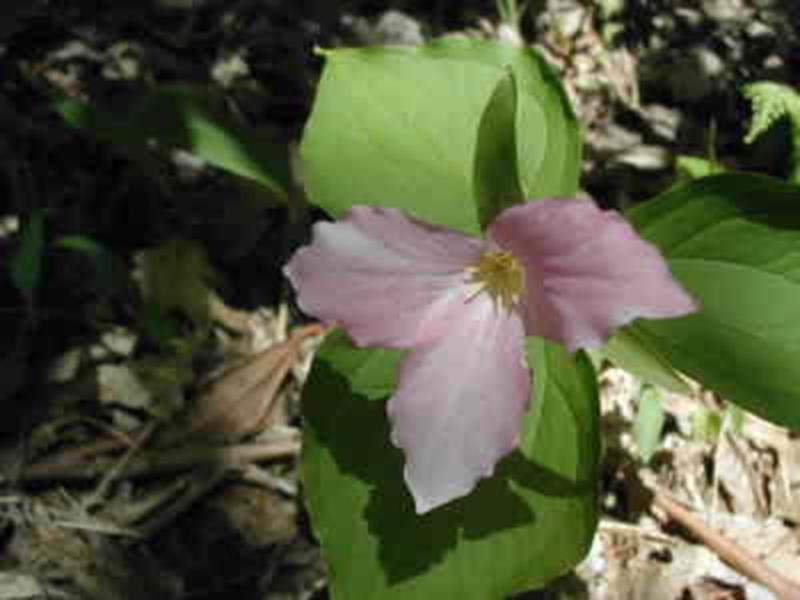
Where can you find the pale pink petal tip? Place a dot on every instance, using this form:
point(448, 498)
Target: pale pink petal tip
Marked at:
point(588, 271)
point(386, 278)
point(459, 403)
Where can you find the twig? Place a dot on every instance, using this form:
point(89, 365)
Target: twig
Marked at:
point(115, 472)
point(141, 508)
point(115, 441)
point(617, 528)
point(732, 553)
point(97, 526)
point(152, 463)
point(758, 499)
point(258, 476)
point(100, 446)
point(201, 485)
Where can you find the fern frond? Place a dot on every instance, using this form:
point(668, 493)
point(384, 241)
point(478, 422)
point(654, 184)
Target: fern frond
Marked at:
point(770, 101)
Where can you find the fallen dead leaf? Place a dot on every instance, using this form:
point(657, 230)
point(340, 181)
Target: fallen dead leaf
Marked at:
point(242, 401)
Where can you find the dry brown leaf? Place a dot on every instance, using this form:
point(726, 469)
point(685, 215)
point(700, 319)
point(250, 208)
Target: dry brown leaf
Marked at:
point(241, 401)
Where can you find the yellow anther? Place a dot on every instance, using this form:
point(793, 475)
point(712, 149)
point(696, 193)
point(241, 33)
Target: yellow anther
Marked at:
point(500, 275)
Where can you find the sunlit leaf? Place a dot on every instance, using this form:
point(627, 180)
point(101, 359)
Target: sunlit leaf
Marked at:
point(734, 242)
point(424, 129)
point(530, 522)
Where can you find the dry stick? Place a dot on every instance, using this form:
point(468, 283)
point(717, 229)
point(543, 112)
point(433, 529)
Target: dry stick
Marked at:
point(731, 552)
point(72, 464)
point(89, 451)
point(114, 472)
point(112, 443)
point(199, 487)
point(170, 460)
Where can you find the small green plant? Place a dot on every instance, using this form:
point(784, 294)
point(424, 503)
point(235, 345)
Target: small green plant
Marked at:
point(649, 422)
point(771, 102)
point(30, 254)
point(510, 13)
point(26, 265)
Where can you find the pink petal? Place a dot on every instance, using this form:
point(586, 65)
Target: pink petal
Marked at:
point(387, 278)
point(459, 402)
point(587, 271)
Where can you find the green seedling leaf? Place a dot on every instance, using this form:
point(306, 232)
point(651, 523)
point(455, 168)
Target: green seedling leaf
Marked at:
point(734, 242)
point(410, 128)
point(706, 424)
point(735, 416)
point(771, 101)
point(632, 353)
point(529, 523)
point(26, 262)
point(176, 276)
point(649, 422)
point(694, 167)
point(103, 260)
point(191, 118)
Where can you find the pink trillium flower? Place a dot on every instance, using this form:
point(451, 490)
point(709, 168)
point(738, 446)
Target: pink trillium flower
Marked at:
point(560, 268)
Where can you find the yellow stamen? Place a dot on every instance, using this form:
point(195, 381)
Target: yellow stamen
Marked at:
point(500, 275)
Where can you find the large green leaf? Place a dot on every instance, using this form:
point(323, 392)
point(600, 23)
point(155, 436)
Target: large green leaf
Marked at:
point(530, 522)
point(188, 117)
point(734, 242)
point(403, 128)
point(391, 128)
point(547, 133)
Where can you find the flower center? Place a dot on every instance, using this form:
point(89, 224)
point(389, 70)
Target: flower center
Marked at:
point(500, 275)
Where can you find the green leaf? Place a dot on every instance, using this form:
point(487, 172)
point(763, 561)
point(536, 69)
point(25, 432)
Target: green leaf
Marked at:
point(188, 117)
point(547, 132)
point(734, 242)
point(649, 422)
point(706, 424)
point(529, 523)
point(736, 417)
point(770, 101)
point(26, 262)
point(631, 352)
point(104, 262)
point(694, 167)
point(403, 128)
point(497, 184)
point(392, 128)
